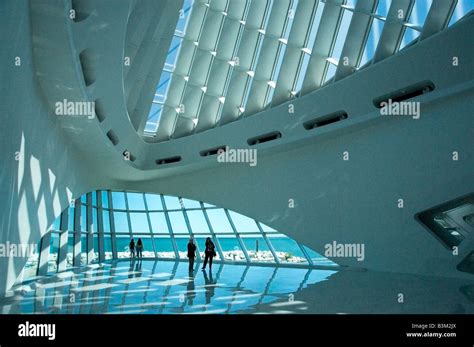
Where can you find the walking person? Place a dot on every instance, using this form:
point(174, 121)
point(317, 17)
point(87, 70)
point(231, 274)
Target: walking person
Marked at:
point(139, 248)
point(191, 254)
point(131, 246)
point(209, 253)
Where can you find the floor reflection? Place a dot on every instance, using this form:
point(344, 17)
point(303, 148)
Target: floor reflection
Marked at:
point(158, 287)
point(165, 287)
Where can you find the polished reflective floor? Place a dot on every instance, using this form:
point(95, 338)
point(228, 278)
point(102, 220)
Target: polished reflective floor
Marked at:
point(155, 287)
point(166, 287)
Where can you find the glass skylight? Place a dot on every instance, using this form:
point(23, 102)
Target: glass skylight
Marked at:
point(240, 57)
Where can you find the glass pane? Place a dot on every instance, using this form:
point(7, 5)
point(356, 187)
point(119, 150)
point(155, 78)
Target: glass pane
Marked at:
point(31, 265)
point(191, 203)
point(178, 224)
point(164, 247)
point(139, 222)
point(153, 202)
point(158, 222)
point(419, 12)
point(182, 243)
point(105, 200)
point(84, 199)
point(94, 220)
point(257, 248)
point(121, 223)
point(173, 53)
point(83, 249)
point(287, 249)
point(331, 72)
point(219, 221)
point(162, 87)
point(342, 34)
point(231, 249)
point(198, 222)
point(106, 221)
point(183, 17)
point(409, 36)
point(372, 41)
point(243, 224)
point(94, 198)
point(71, 219)
point(70, 250)
point(83, 218)
point(56, 224)
point(462, 7)
point(172, 202)
point(123, 250)
point(118, 200)
point(351, 3)
point(153, 117)
point(53, 253)
point(96, 249)
point(267, 229)
point(108, 246)
point(135, 201)
point(383, 7)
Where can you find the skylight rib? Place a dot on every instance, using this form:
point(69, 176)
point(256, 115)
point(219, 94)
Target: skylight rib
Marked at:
point(324, 42)
point(258, 51)
point(200, 71)
point(154, 118)
point(295, 51)
point(221, 70)
point(415, 22)
point(269, 57)
point(218, 70)
point(355, 38)
point(393, 29)
point(247, 53)
point(183, 68)
point(438, 17)
point(335, 52)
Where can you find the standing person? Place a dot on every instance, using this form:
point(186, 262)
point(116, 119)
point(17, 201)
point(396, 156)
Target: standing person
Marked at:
point(139, 248)
point(131, 246)
point(209, 253)
point(191, 254)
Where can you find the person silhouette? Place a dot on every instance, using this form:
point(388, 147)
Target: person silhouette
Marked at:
point(191, 254)
point(139, 248)
point(131, 246)
point(209, 253)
